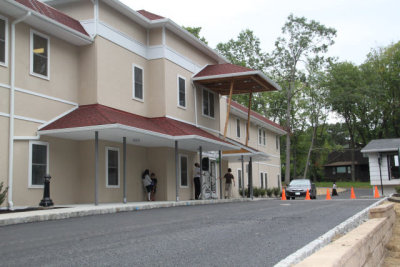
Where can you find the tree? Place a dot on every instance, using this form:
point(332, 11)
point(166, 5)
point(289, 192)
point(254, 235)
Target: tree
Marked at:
point(301, 39)
point(196, 32)
point(345, 97)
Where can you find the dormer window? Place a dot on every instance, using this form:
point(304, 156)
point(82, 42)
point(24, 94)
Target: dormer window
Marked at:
point(40, 55)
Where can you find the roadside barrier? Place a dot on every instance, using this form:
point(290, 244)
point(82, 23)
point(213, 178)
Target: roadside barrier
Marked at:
point(352, 196)
point(283, 194)
point(308, 195)
point(376, 195)
point(328, 194)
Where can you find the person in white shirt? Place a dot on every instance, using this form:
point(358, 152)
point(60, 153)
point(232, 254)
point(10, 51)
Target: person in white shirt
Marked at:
point(147, 183)
point(196, 179)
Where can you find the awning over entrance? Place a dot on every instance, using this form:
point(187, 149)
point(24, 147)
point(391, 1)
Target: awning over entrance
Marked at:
point(245, 151)
point(113, 124)
point(220, 77)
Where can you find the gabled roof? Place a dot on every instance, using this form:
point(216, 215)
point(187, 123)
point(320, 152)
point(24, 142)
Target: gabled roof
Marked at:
point(53, 14)
point(257, 116)
point(382, 145)
point(149, 15)
point(96, 114)
point(220, 77)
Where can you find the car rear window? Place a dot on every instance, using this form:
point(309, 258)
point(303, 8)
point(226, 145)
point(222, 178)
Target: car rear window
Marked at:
point(300, 182)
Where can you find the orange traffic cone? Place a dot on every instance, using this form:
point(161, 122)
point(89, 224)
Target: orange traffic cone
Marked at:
point(283, 194)
point(328, 194)
point(376, 195)
point(352, 196)
point(308, 195)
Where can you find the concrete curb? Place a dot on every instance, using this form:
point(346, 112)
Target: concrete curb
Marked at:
point(87, 210)
point(326, 238)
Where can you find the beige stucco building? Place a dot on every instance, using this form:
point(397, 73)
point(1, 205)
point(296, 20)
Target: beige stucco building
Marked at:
point(94, 93)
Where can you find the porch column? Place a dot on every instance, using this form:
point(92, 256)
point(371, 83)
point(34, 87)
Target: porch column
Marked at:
point(201, 172)
point(251, 177)
point(96, 166)
point(124, 166)
point(176, 171)
point(220, 174)
point(243, 187)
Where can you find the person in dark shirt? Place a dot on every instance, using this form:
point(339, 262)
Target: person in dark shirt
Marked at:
point(228, 183)
point(153, 186)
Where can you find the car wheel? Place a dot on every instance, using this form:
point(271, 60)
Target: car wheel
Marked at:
point(293, 198)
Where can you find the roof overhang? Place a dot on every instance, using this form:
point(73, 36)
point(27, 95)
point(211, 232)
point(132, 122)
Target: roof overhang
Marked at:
point(243, 82)
point(43, 23)
point(246, 152)
point(138, 137)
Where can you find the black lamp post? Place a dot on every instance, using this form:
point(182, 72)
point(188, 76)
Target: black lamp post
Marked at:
point(46, 201)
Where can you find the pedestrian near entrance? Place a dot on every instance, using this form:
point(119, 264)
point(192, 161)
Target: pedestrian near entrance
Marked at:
point(147, 183)
point(196, 179)
point(334, 189)
point(228, 183)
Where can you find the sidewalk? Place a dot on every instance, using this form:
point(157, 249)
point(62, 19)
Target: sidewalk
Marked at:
point(79, 210)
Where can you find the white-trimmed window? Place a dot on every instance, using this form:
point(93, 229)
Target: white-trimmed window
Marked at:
point(277, 142)
point(262, 179)
point(38, 163)
point(181, 92)
point(208, 103)
point(40, 55)
point(3, 41)
point(138, 92)
point(262, 136)
point(266, 180)
point(239, 176)
point(238, 128)
point(112, 167)
point(183, 170)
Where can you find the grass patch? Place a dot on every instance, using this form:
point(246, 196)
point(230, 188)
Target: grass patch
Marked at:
point(345, 184)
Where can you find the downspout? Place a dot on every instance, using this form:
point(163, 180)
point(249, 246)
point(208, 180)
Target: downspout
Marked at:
point(12, 96)
point(195, 103)
point(95, 15)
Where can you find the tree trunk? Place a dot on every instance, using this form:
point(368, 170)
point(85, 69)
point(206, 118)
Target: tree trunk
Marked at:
point(309, 151)
point(287, 165)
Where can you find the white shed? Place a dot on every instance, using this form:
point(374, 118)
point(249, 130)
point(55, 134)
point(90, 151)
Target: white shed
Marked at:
point(384, 164)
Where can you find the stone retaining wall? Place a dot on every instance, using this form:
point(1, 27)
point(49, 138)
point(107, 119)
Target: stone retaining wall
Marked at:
point(363, 246)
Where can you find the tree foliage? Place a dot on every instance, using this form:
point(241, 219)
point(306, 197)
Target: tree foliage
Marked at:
point(196, 32)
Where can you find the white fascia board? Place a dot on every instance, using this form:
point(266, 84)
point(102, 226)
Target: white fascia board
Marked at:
point(260, 122)
point(205, 139)
point(379, 150)
point(86, 39)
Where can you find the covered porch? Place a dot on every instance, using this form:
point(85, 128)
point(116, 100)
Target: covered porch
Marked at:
point(165, 146)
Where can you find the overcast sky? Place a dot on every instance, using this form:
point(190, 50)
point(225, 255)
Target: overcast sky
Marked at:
point(360, 24)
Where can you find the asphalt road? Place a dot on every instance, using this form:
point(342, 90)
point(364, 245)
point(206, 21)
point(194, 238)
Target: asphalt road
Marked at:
point(237, 234)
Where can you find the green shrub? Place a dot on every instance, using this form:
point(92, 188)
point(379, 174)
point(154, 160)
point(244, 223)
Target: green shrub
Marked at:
point(2, 194)
point(276, 191)
point(397, 188)
point(256, 191)
point(269, 192)
point(262, 192)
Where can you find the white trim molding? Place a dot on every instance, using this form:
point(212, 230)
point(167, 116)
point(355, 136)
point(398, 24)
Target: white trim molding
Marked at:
point(31, 72)
point(6, 42)
point(107, 148)
point(31, 143)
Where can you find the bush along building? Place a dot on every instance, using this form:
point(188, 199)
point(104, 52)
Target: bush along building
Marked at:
point(93, 93)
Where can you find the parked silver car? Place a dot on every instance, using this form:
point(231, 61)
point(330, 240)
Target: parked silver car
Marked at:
point(298, 188)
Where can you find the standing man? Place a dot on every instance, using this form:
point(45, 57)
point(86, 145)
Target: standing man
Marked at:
point(228, 183)
point(197, 173)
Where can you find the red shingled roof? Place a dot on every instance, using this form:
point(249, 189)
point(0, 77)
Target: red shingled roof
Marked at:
point(54, 14)
point(219, 69)
point(96, 114)
point(256, 115)
point(149, 15)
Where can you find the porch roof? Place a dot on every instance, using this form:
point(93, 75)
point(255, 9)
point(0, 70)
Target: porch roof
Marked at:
point(113, 124)
point(382, 145)
point(219, 77)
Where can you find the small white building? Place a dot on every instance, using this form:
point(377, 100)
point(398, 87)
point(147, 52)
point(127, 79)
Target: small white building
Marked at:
point(384, 165)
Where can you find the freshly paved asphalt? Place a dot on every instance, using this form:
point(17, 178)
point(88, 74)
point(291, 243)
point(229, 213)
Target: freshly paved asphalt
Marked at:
point(257, 233)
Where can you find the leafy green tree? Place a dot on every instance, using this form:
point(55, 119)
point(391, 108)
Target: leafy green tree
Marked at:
point(302, 39)
point(196, 32)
